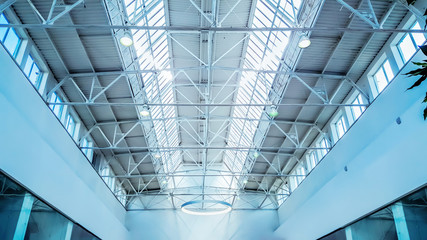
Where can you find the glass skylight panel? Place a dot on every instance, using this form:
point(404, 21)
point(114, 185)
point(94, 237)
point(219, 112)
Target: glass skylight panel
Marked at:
point(153, 54)
point(264, 52)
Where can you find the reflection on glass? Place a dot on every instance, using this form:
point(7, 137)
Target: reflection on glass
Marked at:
point(405, 219)
point(23, 216)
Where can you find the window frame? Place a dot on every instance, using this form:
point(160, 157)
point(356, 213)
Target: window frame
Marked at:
point(414, 44)
point(6, 34)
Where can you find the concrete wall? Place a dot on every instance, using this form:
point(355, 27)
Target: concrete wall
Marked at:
point(176, 225)
point(385, 160)
point(38, 152)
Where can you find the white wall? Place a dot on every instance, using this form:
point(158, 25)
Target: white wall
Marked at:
point(176, 225)
point(37, 151)
point(384, 160)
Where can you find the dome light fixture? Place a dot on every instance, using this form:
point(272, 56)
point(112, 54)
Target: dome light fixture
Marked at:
point(256, 154)
point(126, 40)
point(157, 155)
point(273, 112)
point(145, 112)
point(304, 42)
point(223, 207)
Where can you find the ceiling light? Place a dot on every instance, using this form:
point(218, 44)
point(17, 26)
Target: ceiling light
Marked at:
point(304, 41)
point(157, 155)
point(145, 112)
point(256, 154)
point(245, 181)
point(164, 181)
point(225, 207)
point(126, 40)
point(273, 112)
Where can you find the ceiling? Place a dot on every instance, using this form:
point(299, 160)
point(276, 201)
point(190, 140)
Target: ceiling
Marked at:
point(194, 65)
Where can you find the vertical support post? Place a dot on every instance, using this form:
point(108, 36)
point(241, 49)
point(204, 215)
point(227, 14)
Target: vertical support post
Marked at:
point(24, 216)
point(348, 234)
point(69, 231)
point(400, 221)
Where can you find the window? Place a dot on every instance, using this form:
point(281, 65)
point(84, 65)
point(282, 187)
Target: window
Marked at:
point(340, 127)
point(356, 111)
point(33, 72)
point(107, 175)
point(300, 171)
point(57, 109)
point(408, 45)
point(324, 148)
point(86, 148)
point(9, 37)
point(383, 76)
point(70, 125)
point(312, 160)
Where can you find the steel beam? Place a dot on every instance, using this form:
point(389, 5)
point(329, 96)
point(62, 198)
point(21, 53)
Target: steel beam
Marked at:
point(6, 5)
point(198, 68)
point(192, 29)
point(205, 104)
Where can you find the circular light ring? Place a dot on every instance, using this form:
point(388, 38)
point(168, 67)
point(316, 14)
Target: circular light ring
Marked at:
point(184, 207)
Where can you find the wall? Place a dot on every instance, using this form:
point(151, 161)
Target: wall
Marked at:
point(38, 152)
point(176, 225)
point(384, 161)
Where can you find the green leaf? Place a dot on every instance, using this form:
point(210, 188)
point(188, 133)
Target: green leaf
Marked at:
point(425, 113)
point(418, 82)
point(415, 72)
point(424, 49)
point(420, 63)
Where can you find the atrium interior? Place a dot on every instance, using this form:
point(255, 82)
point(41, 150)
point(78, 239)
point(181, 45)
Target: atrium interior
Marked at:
point(213, 119)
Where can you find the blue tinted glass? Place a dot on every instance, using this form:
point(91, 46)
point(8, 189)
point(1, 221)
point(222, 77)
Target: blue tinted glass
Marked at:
point(3, 30)
point(12, 41)
point(28, 65)
point(35, 75)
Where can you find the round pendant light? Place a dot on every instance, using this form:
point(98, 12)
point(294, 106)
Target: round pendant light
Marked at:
point(304, 42)
point(126, 40)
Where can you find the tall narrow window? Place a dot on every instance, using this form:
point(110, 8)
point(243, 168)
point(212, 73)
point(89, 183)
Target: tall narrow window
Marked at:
point(70, 125)
point(86, 148)
point(57, 109)
point(383, 76)
point(408, 45)
point(300, 171)
point(324, 148)
point(340, 127)
point(312, 160)
point(32, 71)
point(9, 37)
point(356, 111)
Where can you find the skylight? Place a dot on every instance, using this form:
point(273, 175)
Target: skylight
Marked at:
point(264, 52)
point(153, 54)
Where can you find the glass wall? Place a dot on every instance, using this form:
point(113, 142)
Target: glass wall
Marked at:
point(25, 217)
point(405, 219)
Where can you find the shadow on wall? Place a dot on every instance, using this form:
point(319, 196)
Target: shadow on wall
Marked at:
point(176, 225)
